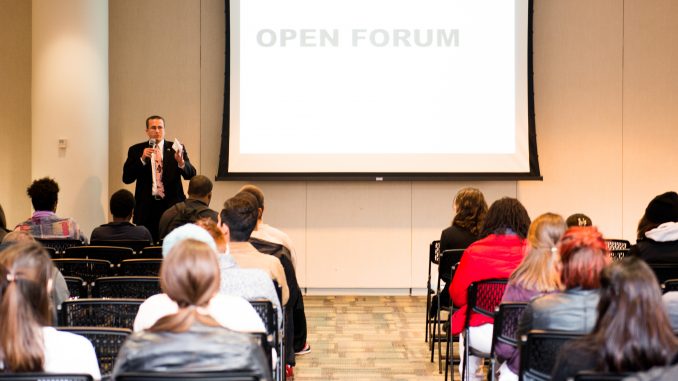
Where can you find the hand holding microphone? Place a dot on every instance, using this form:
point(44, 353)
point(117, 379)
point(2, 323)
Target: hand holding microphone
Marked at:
point(148, 152)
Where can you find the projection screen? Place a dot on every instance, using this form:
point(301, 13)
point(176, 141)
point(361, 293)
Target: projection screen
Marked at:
point(378, 90)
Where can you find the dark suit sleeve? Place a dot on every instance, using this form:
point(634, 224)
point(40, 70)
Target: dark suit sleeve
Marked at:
point(189, 170)
point(133, 166)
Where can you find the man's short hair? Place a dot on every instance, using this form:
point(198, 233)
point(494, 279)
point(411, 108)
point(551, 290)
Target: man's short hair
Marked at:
point(256, 192)
point(199, 186)
point(44, 194)
point(240, 215)
point(153, 117)
point(122, 203)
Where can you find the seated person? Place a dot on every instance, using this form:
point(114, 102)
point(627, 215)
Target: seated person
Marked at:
point(44, 223)
point(28, 342)
point(230, 311)
point(578, 219)
point(583, 255)
point(3, 224)
point(632, 332)
point(190, 338)
point(195, 207)
point(121, 229)
point(657, 240)
point(538, 274)
point(495, 255)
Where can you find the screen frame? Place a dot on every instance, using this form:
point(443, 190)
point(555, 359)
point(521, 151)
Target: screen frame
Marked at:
point(534, 173)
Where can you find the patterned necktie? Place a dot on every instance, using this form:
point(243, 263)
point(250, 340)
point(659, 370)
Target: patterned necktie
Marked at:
point(158, 176)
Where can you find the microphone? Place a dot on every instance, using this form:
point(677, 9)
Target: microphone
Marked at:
point(151, 143)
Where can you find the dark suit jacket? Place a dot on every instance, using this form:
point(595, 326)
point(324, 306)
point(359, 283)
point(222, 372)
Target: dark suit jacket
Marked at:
point(135, 170)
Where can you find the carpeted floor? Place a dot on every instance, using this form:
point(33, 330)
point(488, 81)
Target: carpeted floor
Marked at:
point(366, 338)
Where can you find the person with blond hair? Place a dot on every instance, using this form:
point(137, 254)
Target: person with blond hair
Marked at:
point(537, 274)
point(28, 343)
point(191, 339)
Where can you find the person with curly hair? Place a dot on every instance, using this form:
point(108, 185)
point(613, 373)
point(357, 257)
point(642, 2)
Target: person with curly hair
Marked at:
point(495, 255)
point(44, 223)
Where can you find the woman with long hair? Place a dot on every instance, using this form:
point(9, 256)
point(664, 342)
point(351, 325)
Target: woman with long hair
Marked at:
point(657, 239)
point(537, 274)
point(27, 342)
point(495, 255)
point(632, 332)
point(191, 339)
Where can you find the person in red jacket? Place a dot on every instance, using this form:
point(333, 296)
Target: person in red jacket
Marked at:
point(499, 251)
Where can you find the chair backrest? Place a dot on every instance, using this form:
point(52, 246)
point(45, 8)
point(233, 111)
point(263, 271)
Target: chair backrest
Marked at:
point(598, 376)
point(135, 245)
point(484, 296)
point(434, 252)
point(141, 287)
point(266, 346)
point(150, 252)
point(114, 313)
point(140, 267)
point(665, 271)
point(538, 352)
point(448, 258)
point(45, 377)
point(269, 315)
point(106, 343)
point(193, 376)
point(670, 285)
point(506, 318)
point(87, 269)
point(619, 254)
point(77, 286)
point(59, 245)
point(617, 244)
point(109, 253)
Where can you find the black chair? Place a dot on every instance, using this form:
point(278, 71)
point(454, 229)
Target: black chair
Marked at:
point(87, 269)
point(267, 348)
point(664, 271)
point(617, 244)
point(59, 245)
point(619, 254)
point(670, 285)
point(269, 315)
point(506, 318)
point(433, 259)
point(447, 266)
point(52, 252)
point(113, 313)
point(150, 252)
point(140, 287)
point(483, 298)
point(140, 267)
point(135, 245)
point(538, 352)
point(45, 377)
point(113, 254)
point(77, 286)
point(193, 376)
point(106, 343)
point(598, 376)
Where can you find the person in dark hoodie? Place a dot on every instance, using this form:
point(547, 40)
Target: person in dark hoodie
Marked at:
point(657, 240)
point(194, 208)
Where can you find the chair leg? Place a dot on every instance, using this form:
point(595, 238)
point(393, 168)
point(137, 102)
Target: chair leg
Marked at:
point(433, 336)
point(448, 358)
point(464, 370)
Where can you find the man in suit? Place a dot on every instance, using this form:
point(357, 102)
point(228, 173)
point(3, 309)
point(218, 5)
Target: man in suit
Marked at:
point(157, 168)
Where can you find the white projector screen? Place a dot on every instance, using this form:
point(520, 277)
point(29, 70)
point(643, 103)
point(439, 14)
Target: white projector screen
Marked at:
point(378, 89)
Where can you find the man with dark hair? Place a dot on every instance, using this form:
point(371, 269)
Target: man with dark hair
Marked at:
point(194, 208)
point(578, 219)
point(121, 229)
point(44, 223)
point(157, 166)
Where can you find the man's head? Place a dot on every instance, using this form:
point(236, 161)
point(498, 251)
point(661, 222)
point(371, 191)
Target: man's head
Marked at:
point(200, 188)
point(44, 194)
point(239, 216)
point(258, 194)
point(122, 204)
point(155, 127)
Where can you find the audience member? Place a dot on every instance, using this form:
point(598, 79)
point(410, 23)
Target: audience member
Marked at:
point(264, 231)
point(230, 311)
point(191, 338)
point(121, 229)
point(578, 219)
point(495, 255)
point(632, 332)
point(657, 240)
point(44, 222)
point(237, 220)
point(195, 207)
point(671, 303)
point(3, 224)
point(583, 255)
point(470, 209)
point(250, 284)
point(537, 274)
point(27, 342)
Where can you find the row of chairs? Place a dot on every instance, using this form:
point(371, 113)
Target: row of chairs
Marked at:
point(113, 254)
point(59, 245)
point(141, 287)
point(136, 376)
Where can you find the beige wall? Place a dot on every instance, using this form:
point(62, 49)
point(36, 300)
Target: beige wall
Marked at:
point(605, 85)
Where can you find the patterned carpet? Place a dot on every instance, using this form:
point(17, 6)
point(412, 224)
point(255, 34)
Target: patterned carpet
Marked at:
point(366, 338)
